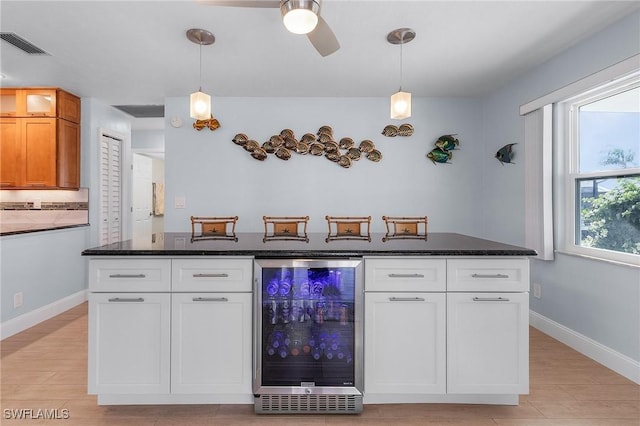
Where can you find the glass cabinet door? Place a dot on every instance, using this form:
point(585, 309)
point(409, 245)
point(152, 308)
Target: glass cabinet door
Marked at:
point(41, 102)
point(8, 102)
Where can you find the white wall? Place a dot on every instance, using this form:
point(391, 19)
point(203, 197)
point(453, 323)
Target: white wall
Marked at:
point(597, 299)
point(217, 177)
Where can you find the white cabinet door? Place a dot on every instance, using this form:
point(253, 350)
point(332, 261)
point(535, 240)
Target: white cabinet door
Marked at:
point(404, 343)
point(211, 343)
point(129, 344)
point(488, 343)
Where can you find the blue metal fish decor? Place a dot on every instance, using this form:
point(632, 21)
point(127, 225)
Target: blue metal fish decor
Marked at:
point(442, 152)
point(506, 154)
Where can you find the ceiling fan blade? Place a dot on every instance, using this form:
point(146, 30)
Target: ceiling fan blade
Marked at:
point(323, 38)
point(243, 3)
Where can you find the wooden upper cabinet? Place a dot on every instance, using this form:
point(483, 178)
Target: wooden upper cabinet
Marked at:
point(39, 102)
point(68, 106)
point(39, 138)
point(10, 152)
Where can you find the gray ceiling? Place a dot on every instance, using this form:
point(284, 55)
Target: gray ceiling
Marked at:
point(136, 53)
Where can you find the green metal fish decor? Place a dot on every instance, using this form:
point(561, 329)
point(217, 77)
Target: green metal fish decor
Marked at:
point(438, 155)
point(506, 154)
point(447, 142)
point(442, 152)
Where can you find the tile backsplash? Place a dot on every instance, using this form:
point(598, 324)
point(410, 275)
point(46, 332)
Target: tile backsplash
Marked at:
point(24, 210)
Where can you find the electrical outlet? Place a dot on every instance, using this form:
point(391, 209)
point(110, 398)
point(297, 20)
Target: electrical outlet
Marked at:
point(17, 300)
point(37, 203)
point(537, 290)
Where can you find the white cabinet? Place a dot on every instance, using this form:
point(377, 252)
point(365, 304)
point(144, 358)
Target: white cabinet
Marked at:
point(405, 274)
point(446, 330)
point(488, 343)
point(478, 275)
point(231, 275)
point(129, 343)
point(211, 345)
point(128, 275)
point(170, 330)
point(405, 343)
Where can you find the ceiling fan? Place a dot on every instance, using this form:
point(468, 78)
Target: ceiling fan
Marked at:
point(299, 16)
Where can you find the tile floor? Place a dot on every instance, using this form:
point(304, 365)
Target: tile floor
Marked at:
point(45, 367)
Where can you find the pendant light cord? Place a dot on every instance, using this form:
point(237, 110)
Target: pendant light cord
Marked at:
point(401, 43)
point(200, 80)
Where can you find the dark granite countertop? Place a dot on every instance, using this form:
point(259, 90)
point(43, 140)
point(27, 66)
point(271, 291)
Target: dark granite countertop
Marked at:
point(316, 245)
point(16, 229)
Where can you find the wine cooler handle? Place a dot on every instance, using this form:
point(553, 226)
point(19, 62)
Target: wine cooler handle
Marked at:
point(406, 275)
point(489, 276)
point(210, 299)
point(127, 276)
point(490, 299)
point(406, 299)
point(220, 275)
point(120, 299)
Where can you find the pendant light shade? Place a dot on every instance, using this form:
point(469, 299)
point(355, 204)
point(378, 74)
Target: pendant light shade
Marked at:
point(300, 16)
point(200, 102)
point(400, 103)
point(200, 106)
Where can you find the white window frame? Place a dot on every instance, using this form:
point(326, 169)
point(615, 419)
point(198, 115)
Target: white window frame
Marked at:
point(568, 167)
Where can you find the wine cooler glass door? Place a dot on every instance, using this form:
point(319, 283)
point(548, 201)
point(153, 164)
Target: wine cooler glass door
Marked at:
point(309, 324)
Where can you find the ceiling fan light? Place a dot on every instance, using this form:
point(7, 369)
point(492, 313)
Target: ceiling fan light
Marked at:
point(400, 105)
point(300, 16)
point(200, 106)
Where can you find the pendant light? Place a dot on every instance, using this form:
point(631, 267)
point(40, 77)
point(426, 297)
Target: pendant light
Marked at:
point(200, 102)
point(400, 105)
point(300, 16)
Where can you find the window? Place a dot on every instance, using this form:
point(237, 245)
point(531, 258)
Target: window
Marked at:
point(601, 146)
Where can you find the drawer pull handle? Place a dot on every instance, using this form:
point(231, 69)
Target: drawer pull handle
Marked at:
point(490, 276)
point(222, 275)
point(120, 299)
point(406, 275)
point(490, 299)
point(406, 299)
point(127, 276)
point(210, 299)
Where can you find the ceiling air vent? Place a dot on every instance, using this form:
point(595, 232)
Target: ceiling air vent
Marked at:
point(22, 44)
point(142, 111)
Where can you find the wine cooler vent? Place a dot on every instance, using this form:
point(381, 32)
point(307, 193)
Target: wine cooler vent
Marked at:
point(332, 404)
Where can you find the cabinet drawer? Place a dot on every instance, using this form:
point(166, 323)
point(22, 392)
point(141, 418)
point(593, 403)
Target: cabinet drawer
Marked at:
point(488, 275)
point(129, 275)
point(404, 274)
point(225, 274)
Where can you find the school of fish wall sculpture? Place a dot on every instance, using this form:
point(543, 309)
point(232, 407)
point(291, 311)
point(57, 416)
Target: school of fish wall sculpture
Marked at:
point(442, 152)
point(322, 143)
point(392, 131)
point(211, 123)
point(506, 154)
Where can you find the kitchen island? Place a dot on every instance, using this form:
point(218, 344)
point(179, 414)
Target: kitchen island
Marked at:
point(171, 318)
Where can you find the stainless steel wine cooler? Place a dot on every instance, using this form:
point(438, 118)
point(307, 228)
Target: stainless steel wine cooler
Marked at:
point(308, 336)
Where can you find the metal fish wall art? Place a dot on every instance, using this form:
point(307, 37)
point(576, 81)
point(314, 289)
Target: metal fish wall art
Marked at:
point(447, 142)
point(437, 155)
point(506, 154)
point(321, 143)
point(211, 123)
point(392, 131)
point(442, 152)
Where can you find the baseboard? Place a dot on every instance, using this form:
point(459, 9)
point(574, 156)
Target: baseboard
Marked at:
point(29, 319)
point(604, 355)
